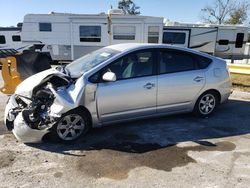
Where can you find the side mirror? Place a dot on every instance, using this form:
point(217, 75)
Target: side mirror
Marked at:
point(109, 77)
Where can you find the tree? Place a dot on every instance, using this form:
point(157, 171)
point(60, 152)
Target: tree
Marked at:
point(129, 7)
point(225, 11)
point(239, 14)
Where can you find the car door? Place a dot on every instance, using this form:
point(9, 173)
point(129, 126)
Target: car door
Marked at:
point(133, 94)
point(179, 81)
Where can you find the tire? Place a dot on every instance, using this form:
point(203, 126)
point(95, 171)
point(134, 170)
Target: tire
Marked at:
point(206, 104)
point(70, 127)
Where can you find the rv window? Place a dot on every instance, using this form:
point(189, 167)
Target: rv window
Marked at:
point(90, 33)
point(2, 39)
point(174, 38)
point(45, 27)
point(239, 40)
point(16, 38)
point(153, 34)
point(223, 42)
point(124, 32)
point(173, 61)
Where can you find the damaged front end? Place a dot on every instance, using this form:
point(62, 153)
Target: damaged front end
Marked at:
point(28, 112)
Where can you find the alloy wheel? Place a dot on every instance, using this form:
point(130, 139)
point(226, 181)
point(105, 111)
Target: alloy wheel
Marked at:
point(207, 104)
point(70, 127)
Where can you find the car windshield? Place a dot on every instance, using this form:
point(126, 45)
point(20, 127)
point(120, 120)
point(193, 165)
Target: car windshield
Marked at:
point(89, 61)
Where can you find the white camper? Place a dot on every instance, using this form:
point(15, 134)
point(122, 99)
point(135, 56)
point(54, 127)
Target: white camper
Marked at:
point(69, 36)
point(10, 38)
point(224, 41)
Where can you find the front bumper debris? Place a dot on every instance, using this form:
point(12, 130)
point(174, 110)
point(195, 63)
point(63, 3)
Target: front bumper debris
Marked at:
point(15, 123)
point(25, 134)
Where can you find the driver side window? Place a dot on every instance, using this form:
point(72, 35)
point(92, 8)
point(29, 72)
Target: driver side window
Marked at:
point(133, 65)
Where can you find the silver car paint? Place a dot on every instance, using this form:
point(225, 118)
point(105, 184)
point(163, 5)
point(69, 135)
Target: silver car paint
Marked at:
point(116, 100)
point(131, 99)
point(221, 83)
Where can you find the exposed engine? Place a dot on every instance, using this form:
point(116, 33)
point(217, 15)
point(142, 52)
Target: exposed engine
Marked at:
point(36, 114)
point(36, 110)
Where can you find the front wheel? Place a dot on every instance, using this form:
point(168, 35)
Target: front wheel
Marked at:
point(70, 127)
point(206, 104)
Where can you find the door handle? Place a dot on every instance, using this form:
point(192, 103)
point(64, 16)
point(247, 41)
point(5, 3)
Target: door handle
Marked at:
point(149, 85)
point(198, 78)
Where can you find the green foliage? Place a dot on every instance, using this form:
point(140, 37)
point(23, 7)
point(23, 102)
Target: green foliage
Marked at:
point(225, 12)
point(238, 15)
point(129, 7)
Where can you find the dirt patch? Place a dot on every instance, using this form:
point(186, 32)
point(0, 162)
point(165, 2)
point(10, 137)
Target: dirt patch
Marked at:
point(3, 129)
point(7, 158)
point(58, 174)
point(117, 164)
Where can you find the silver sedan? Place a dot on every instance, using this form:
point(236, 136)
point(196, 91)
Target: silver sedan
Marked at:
point(113, 84)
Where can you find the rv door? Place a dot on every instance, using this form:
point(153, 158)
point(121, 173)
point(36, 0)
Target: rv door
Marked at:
point(176, 37)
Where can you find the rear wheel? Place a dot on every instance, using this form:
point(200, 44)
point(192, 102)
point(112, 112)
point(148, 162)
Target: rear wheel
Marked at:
point(70, 127)
point(206, 104)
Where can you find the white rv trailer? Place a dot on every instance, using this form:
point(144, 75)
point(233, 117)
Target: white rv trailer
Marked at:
point(225, 41)
point(69, 36)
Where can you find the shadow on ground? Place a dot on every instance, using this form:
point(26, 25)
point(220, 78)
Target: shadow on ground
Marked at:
point(113, 150)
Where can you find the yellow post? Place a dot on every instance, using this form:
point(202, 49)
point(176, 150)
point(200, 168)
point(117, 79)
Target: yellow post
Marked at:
point(10, 75)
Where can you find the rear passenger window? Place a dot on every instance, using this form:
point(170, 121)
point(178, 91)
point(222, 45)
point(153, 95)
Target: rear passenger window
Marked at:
point(2, 39)
point(171, 61)
point(202, 62)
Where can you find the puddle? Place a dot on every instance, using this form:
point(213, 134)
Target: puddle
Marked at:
point(226, 129)
point(125, 136)
point(116, 161)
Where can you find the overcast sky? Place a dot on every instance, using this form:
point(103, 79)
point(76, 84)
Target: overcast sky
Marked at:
point(12, 11)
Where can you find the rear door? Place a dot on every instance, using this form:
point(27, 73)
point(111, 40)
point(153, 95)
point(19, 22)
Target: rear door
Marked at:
point(179, 80)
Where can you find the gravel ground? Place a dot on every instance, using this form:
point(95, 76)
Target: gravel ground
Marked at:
point(174, 151)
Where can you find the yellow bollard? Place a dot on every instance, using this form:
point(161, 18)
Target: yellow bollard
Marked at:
point(10, 75)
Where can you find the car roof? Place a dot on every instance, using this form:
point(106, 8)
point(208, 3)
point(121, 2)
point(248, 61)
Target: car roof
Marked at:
point(133, 46)
point(127, 46)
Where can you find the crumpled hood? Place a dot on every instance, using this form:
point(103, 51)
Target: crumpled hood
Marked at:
point(26, 87)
